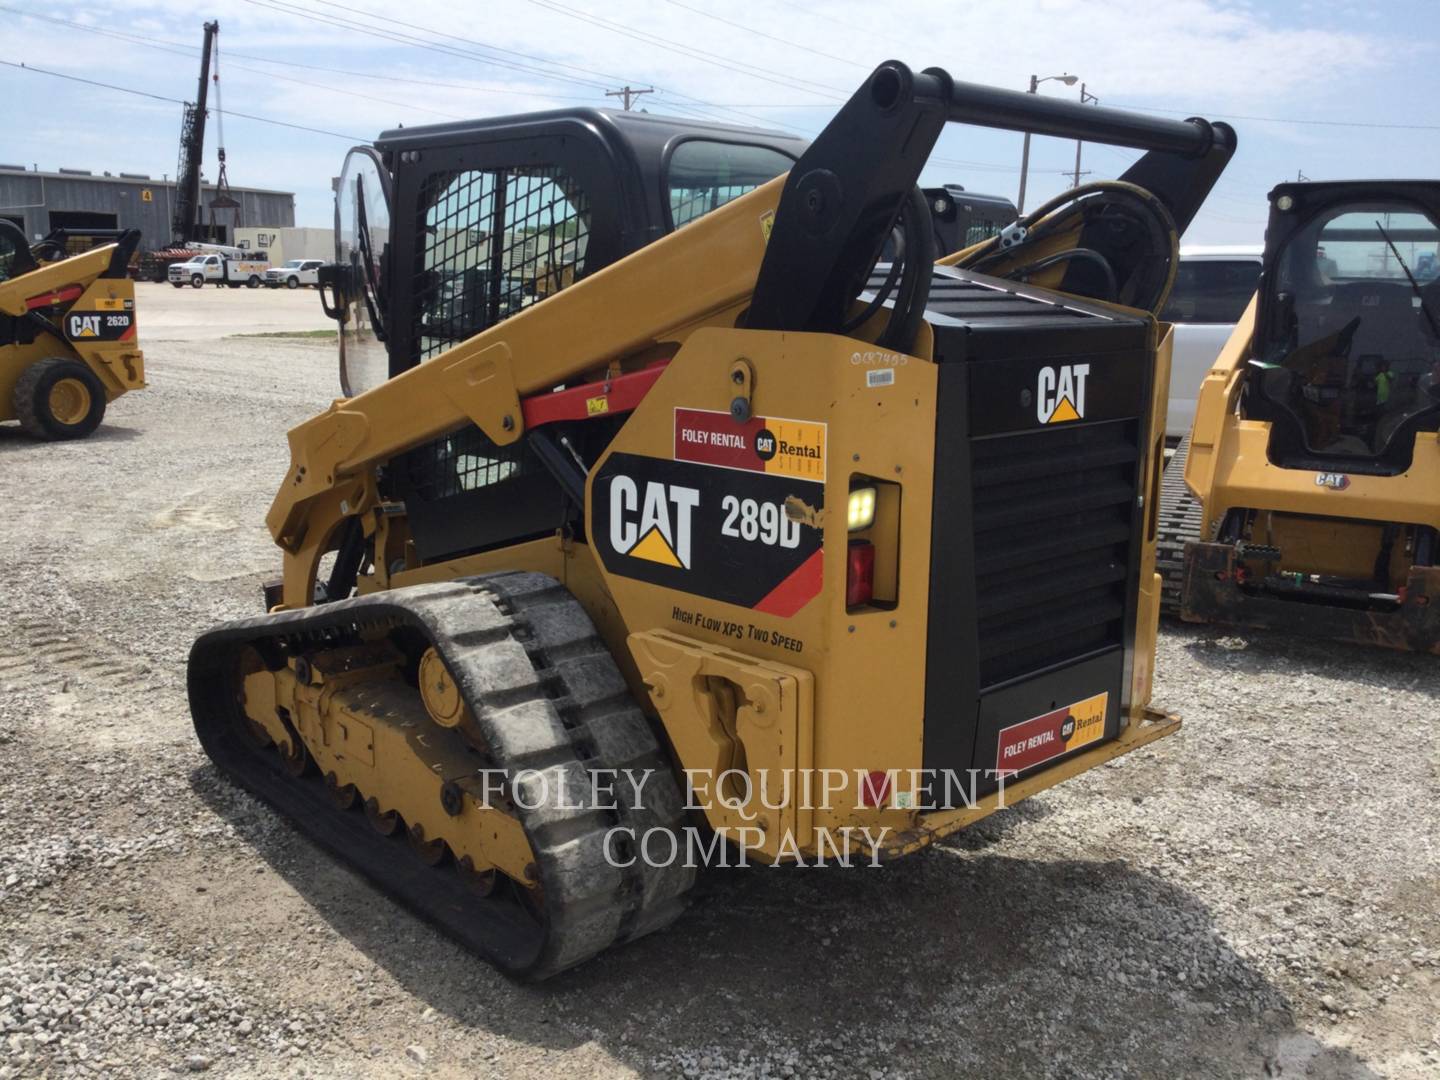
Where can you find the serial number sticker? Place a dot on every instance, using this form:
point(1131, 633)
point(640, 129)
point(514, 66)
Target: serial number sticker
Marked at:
point(1032, 742)
point(880, 377)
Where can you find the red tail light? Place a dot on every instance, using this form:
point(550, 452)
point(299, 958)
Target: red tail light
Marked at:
point(875, 788)
point(859, 573)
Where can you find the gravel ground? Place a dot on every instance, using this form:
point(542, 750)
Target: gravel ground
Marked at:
point(1256, 896)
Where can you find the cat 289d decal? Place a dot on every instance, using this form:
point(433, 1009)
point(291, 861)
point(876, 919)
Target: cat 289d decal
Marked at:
point(719, 533)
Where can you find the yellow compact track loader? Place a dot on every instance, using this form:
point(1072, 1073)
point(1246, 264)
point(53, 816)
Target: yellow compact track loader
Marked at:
point(664, 523)
point(67, 331)
point(1311, 497)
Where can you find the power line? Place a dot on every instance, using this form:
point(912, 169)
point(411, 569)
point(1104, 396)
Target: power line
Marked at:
point(178, 101)
point(867, 32)
point(560, 9)
point(183, 49)
point(410, 39)
point(440, 47)
point(607, 77)
point(283, 8)
point(448, 50)
point(692, 53)
point(606, 24)
point(180, 50)
point(770, 37)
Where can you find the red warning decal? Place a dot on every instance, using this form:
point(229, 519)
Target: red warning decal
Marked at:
point(797, 590)
point(1029, 743)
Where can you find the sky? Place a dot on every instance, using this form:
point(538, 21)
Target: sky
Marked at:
point(1330, 90)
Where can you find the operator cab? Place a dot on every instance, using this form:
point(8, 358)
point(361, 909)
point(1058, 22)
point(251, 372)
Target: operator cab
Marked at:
point(444, 230)
point(1346, 362)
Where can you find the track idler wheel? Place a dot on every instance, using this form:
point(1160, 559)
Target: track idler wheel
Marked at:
point(439, 692)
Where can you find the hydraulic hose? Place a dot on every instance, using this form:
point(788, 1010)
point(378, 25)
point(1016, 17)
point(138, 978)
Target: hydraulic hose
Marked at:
point(1052, 217)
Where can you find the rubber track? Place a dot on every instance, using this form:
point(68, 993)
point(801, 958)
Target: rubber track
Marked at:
point(1180, 521)
point(547, 696)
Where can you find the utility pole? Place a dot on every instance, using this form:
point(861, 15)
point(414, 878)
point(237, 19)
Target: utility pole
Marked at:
point(628, 94)
point(1086, 98)
point(1035, 81)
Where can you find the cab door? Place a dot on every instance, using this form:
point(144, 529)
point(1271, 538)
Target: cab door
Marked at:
point(362, 257)
point(489, 228)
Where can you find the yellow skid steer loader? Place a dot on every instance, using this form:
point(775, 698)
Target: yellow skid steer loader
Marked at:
point(1312, 472)
point(663, 521)
point(67, 331)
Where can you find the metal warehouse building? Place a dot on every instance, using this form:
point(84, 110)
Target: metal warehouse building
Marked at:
point(76, 199)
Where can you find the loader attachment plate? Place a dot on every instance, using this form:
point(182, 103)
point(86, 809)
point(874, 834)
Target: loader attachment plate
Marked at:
point(1211, 594)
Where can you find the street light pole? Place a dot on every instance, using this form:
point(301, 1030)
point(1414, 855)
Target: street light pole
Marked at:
point(1086, 98)
point(1025, 156)
point(1035, 81)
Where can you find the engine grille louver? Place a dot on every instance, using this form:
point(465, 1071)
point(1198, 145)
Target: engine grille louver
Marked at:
point(1052, 518)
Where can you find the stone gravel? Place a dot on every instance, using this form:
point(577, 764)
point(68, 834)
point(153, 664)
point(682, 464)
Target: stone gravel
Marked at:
point(1258, 895)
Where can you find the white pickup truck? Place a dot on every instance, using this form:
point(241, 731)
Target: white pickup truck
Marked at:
point(1213, 286)
point(220, 269)
point(294, 273)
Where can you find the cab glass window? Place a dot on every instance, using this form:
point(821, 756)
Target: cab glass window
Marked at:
point(493, 242)
point(1211, 290)
point(1351, 349)
point(703, 174)
point(977, 231)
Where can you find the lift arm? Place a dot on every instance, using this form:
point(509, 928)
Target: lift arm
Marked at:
point(842, 196)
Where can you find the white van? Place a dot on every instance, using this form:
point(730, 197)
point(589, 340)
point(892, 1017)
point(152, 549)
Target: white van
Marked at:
point(1212, 289)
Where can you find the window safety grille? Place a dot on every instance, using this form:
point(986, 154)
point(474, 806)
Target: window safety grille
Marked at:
point(461, 462)
point(492, 243)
